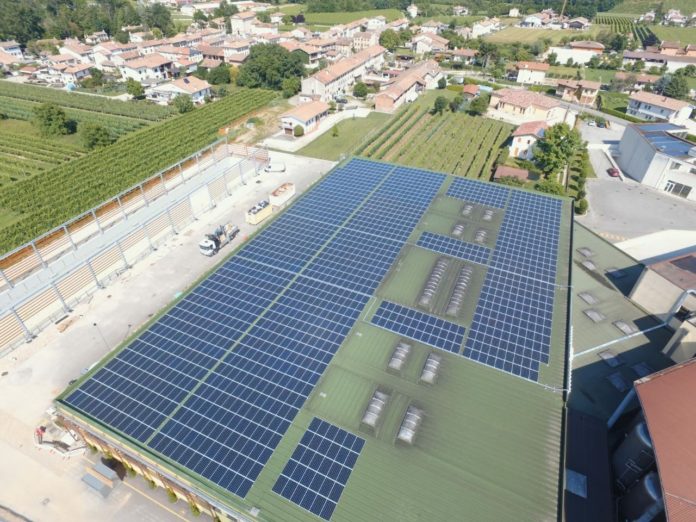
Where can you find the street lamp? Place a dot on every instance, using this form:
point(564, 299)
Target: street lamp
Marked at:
point(106, 345)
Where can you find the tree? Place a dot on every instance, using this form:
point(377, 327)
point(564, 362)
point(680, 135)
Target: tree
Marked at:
point(51, 120)
point(157, 15)
point(360, 90)
point(291, 86)
point(93, 135)
point(549, 186)
point(134, 88)
point(560, 143)
point(287, 20)
point(677, 87)
point(594, 62)
point(479, 105)
point(581, 206)
point(219, 75)
point(456, 103)
point(263, 17)
point(442, 83)
point(225, 10)
point(298, 131)
point(334, 131)
point(268, 65)
point(511, 181)
point(440, 105)
point(389, 40)
point(552, 59)
point(183, 103)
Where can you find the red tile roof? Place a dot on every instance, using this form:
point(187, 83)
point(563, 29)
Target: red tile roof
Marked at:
point(523, 98)
point(503, 171)
point(307, 111)
point(668, 399)
point(659, 100)
point(532, 66)
point(531, 128)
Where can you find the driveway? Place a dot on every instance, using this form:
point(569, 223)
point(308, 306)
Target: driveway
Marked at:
point(600, 163)
point(621, 210)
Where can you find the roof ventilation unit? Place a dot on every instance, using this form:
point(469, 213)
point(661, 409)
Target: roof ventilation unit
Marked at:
point(589, 265)
point(431, 369)
point(585, 252)
point(588, 298)
point(457, 299)
point(433, 283)
point(626, 328)
point(481, 235)
point(375, 408)
point(399, 356)
point(634, 456)
point(488, 215)
point(409, 426)
point(458, 230)
point(595, 315)
point(467, 210)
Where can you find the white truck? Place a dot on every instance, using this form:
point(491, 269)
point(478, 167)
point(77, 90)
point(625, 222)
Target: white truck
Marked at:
point(212, 243)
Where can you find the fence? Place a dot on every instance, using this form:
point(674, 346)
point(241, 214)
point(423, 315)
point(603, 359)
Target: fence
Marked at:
point(81, 274)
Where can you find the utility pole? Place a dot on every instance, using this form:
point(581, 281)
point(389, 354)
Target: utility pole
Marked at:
point(563, 10)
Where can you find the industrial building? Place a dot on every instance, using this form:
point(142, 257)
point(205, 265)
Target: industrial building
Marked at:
point(660, 156)
point(389, 347)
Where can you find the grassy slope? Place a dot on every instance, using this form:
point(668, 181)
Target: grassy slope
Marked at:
point(685, 35)
point(350, 135)
point(642, 6)
point(520, 34)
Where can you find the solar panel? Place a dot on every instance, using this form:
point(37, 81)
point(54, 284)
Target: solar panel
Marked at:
point(319, 469)
point(479, 192)
point(455, 248)
point(417, 325)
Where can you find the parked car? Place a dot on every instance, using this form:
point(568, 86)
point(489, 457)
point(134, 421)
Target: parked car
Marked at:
point(592, 123)
point(276, 166)
point(613, 172)
point(601, 125)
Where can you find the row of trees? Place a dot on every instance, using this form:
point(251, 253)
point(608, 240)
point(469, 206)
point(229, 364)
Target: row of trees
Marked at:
point(25, 20)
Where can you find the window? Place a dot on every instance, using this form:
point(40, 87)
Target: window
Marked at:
point(678, 189)
point(675, 165)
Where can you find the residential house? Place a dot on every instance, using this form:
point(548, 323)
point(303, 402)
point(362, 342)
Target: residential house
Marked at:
point(364, 40)
point(408, 85)
point(301, 33)
point(96, 38)
point(514, 13)
point(655, 107)
point(139, 36)
point(533, 21)
point(521, 105)
point(354, 27)
point(460, 10)
point(242, 23)
point(636, 82)
point(398, 25)
point(307, 115)
point(464, 56)
point(176, 53)
point(470, 91)
point(525, 138)
point(530, 73)
point(263, 29)
point(277, 18)
point(671, 62)
point(377, 23)
point(428, 43)
point(464, 32)
point(149, 69)
point(339, 77)
point(152, 46)
point(579, 52)
point(212, 56)
point(412, 10)
point(206, 8)
point(659, 156)
point(648, 17)
point(75, 73)
point(579, 24)
point(191, 86)
point(583, 92)
point(484, 27)
point(12, 48)
point(674, 17)
point(670, 48)
point(232, 48)
point(432, 27)
point(185, 40)
point(83, 53)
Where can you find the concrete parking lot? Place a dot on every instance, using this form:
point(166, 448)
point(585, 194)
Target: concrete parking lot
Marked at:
point(43, 486)
point(621, 210)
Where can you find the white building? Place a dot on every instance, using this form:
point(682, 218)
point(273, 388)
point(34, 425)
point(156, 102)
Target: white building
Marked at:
point(376, 23)
point(412, 10)
point(658, 155)
point(485, 27)
point(514, 13)
point(75, 73)
point(655, 107)
point(80, 51)
point(12, 48)
point(460, 10)
point(580, 52)
point(191, 86)
point(406, 87)
point(152, 68)
point(306, 115)
point(531, 73)
point(525, 138)
point(338, 78)
point(242, 23)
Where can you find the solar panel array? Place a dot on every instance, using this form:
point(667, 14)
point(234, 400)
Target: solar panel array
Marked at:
point(511, 329)
point(319, 468)
point(455, 247)
point(214, 384)
point(420, 326)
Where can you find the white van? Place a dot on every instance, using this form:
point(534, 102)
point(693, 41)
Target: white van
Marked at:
point(275, 166)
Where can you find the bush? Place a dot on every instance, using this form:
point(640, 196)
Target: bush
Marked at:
point(183, 103)
point(622, 115)
point(360, 90)
point(441, 83)
point(581, 206)
point(548, 186)
point(290, 87)
point(172, 496)
point(298, 131)
point(581, 194)
point(511, 181)
point(50, 119)
point(151, 483)
point(93, 136)
point(195, 510)
point(131, 472)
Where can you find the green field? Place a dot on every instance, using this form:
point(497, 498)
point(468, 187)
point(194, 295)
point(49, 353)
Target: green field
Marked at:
point(343, 17)
point(638, 7)
point(685, 35)
point(595, 75)
point(350, 134)
point(23, 152)
point(511, 35)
